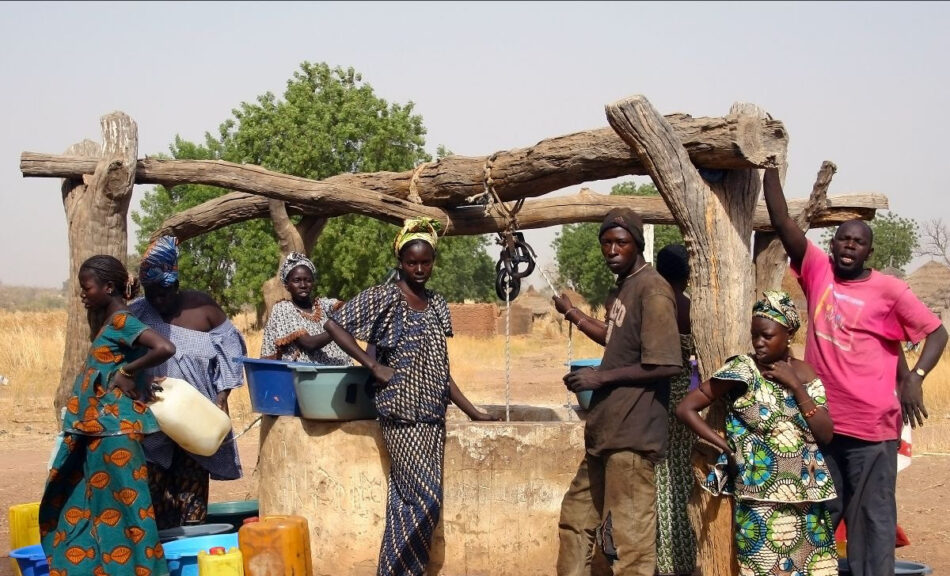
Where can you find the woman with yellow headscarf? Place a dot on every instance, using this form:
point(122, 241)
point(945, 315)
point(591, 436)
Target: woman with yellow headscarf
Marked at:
point(408, 325)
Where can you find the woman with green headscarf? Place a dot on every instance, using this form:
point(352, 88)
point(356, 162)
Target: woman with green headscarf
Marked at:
point(408, 325)
point(770, 460)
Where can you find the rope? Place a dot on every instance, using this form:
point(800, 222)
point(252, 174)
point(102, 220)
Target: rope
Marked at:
point(507, 348)
point(570, 358)
point(495, 201)
point(413, 183)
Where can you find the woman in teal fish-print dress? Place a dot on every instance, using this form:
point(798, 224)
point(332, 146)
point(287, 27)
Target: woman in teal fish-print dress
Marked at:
point(770, 460)
point(96, 514)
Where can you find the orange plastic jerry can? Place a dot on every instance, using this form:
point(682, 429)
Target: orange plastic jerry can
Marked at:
point(276, 546)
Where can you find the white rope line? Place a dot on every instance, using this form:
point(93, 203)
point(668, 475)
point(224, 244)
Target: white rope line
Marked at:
point(570, 358)
point(507, 348)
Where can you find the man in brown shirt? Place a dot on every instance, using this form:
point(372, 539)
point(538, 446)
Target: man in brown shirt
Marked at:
point(626, 429)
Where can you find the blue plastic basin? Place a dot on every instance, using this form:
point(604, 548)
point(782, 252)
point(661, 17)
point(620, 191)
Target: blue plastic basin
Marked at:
point(182, 555)
point(270, 385)
point(583, 397)
point(901, 568)
point(192, 531)
point(334, 392)
point(31, 560)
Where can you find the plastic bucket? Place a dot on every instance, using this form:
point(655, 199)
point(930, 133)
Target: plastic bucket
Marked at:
point(233, 513)
point(270, 385)
point(583, 398)
point(901, 568)
point(31, 560)
point(182, 555)
point(334, 392)
point(192, 531)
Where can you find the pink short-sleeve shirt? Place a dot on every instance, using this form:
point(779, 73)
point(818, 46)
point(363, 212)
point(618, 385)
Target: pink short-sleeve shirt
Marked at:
point(854, 333)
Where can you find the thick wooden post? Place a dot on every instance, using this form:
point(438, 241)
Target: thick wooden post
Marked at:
point(716, 220)
point(96, 214)
point(768, 254)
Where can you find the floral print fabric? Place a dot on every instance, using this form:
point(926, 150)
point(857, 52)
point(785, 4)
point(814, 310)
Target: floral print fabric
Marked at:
point(776, 453)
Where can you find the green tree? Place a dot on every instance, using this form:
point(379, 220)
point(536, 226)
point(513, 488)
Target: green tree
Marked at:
point(577, 249)
point(895, 241)
point(328, 122)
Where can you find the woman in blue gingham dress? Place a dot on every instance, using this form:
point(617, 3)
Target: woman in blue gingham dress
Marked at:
point(408, 325)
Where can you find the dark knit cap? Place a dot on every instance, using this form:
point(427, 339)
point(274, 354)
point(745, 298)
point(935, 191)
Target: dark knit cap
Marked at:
point(626, 219)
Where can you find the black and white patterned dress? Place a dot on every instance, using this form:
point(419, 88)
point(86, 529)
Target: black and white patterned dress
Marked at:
point(287, 323)
point(412, 414)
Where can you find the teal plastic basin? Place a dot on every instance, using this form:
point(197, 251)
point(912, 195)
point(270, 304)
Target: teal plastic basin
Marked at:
point(233, 512)
point(583, 398)
point(334, 392)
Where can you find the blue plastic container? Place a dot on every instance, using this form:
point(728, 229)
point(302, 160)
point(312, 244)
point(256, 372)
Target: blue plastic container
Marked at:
point(182, 555)
point(193, 531)
point(901, 568)
point(335, 392)
point(270, 385)
point(31, 560)
point(583, 398)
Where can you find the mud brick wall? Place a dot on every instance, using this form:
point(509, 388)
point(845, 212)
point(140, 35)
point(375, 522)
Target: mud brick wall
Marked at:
point(474, 319)
point(519, 323)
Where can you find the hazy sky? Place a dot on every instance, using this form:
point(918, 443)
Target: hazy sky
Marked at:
point(862, 84)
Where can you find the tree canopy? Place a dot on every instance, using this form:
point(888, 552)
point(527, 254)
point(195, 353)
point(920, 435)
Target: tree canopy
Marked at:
point(328, 122)
point(577, 249)
point(895, 241)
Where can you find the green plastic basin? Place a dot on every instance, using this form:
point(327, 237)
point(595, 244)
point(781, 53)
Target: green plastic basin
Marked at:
point(334, 392)
point(233, 512)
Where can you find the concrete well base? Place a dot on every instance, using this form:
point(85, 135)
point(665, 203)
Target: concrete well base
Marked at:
point(503, 486)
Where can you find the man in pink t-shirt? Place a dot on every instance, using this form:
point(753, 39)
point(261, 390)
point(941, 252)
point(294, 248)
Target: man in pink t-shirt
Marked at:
point(857, 319)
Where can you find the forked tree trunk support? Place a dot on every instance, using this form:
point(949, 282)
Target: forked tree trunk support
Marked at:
point(769, 254)
point(97, 215)
point(716, 221)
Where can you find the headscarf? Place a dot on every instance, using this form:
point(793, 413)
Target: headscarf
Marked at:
point(626, 219)
point(159, 266)
point(293, 260)
point(778, 306)
point(425, 229)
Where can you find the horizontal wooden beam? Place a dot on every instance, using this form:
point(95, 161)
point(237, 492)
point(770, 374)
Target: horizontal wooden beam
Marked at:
point(554, 163)
point(587, 206)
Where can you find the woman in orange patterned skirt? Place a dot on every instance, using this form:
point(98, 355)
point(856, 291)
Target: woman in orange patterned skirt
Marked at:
point(96, 515)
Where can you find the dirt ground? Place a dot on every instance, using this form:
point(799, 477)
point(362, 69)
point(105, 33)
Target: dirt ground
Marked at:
point(923, 494)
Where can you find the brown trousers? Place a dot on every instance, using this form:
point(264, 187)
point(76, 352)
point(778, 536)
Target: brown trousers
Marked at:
point(622, 484)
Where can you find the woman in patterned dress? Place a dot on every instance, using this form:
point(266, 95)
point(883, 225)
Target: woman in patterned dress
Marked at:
point(294, 330)
point(770, 460)
point(207, 344)
point(675, 539)
point(96, 515)
point(408, 325)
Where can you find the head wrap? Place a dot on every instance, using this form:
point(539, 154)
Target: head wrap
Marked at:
point(293, 260)
point(425, 229)
point(672, 262)
point(159, 266)
point(626, 219)
point(778, 306)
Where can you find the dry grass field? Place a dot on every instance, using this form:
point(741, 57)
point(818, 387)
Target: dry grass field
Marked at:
point(31, 355)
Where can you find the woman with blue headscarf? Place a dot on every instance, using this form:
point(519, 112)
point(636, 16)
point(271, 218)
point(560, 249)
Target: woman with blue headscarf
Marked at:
point(770, 460)
point(294, 330)
point(208, 344)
